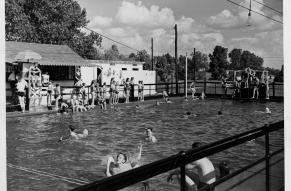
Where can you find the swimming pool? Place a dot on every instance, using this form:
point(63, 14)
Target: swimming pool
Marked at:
point(32, 142)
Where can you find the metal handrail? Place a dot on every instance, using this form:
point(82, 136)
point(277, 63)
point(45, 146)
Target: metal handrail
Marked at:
point(178, 160)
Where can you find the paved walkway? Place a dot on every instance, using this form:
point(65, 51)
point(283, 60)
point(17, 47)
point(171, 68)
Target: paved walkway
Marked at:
point(254, 178)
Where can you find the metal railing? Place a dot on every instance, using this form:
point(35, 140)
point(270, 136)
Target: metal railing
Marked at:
point(184, 157)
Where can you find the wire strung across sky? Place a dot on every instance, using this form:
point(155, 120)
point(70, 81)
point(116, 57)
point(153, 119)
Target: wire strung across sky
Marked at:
point(112, 39)
point(269, 7)
point(255, 12)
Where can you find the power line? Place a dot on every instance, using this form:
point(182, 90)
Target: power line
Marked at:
point(255, 12)
point(112, 39)
point(269, 7)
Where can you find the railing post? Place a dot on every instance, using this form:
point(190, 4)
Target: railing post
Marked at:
point(267, 157)
point(183, 172)
point(273, 89)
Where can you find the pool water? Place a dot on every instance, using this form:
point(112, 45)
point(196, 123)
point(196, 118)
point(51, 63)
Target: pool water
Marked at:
point(32, 142)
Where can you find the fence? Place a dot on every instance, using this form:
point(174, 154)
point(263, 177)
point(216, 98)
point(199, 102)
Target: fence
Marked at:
point(184, 157)
point(211, 88)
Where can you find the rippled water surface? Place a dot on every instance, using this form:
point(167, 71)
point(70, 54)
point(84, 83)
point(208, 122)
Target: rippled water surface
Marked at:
point(32, 142)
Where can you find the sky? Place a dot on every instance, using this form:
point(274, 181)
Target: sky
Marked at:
point(202, 24)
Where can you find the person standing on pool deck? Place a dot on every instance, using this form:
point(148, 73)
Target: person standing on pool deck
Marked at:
point(57, 95)
point(20, 86)
point(193, 90)
point(205, 168)
point(122, 163)
point(150, 137)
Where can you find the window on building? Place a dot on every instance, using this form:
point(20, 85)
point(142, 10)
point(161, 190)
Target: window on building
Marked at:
point(135, 69)
point(123, 68)
point(59, 72)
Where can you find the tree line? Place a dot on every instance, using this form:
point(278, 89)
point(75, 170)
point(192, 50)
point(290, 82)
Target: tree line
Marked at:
point(60, 22)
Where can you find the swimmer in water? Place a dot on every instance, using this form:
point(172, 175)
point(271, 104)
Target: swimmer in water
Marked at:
point(165, 96)
point(219, 112)
point(122, 163)
point(188, 114)
point(150, 136)
point(75, 135)
point(267, 110)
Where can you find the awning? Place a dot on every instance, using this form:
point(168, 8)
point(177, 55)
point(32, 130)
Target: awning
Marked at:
point(84, 64)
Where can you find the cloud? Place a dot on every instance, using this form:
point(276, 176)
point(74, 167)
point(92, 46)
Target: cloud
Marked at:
point(139, 15)
point(99, 21)
point(238, 18)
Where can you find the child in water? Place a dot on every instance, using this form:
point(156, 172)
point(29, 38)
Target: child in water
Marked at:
point(150, 136)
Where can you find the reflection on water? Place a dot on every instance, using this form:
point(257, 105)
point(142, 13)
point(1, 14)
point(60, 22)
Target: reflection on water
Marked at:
point(32, 142)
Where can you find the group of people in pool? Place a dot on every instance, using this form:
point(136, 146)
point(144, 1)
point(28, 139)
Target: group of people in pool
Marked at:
point(199, 173)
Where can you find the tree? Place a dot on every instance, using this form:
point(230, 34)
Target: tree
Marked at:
point(143, 56)
point(164, 67)
point(249, 59)
point(112, 54)
point(235, 57)
point(218, 62)
point(132, 56)
point(50, 22)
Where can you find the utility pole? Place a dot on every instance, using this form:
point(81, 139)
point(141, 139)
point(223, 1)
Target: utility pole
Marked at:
point(194, 60)
point(186, 66)
point(152, 48)
point(176, 59)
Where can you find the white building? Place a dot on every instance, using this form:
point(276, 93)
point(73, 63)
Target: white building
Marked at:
point(104, 70)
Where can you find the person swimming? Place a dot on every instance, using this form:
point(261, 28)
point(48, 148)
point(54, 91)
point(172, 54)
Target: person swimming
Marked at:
point(267, 111)
point(122, 163)
point(75, 135)
point(150, 136)
point(219, 112)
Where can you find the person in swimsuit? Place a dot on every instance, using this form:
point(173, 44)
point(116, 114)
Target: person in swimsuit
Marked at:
point(140, 91)
point(57, 95)
point(256, 88)
point(127, 90)
point(193, 90)
point(192, 179)
point(74, 135)
point(122, 163)
point(150, 137)
point(165, 96)
point(49, 93)
point(93, 90)
point(104, 90)
point(21, 85)
point(116, 100)
point(205, 169)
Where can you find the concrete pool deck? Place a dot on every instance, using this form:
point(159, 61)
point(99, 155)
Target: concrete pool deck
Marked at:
point(254, 178)
point(41, 110)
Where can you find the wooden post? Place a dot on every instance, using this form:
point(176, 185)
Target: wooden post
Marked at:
point(186, 65)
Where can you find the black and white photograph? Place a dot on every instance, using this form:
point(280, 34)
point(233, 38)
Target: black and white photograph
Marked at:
point(144, 95)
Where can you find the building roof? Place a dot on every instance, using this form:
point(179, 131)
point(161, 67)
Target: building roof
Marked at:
point(113, 61)
point(54, 55)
